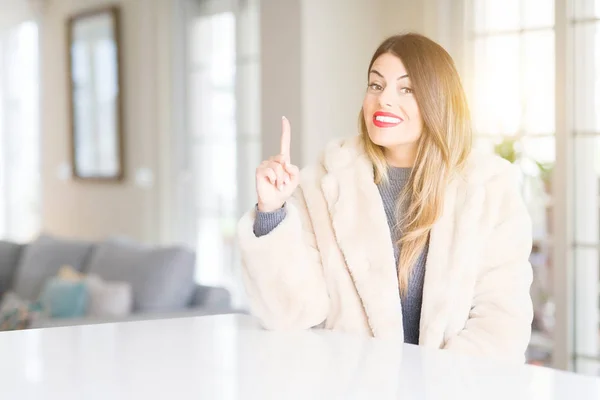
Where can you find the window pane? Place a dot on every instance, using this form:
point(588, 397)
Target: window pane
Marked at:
point(587, 189)
point(212, 94)
point(587, 321)
point(479, 15)
point(497, 102)
point(494, 15)
point(587, 367)
point(215, 165)
point(216, 248)
point(19, 154)
point(249, 33)
point(200, 39)
point(249, 99)
point(538, 156)
point(540, 149)
point(587, 77)
point(212, 42)
point(538, 13)
point(212, 109)
point(251, 156)
point(538, 90)
point(586, 8)
point(486, 144)
point(199, 103)
point(540, 349)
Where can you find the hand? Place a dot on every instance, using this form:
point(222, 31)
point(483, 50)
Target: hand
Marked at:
point(277, 178)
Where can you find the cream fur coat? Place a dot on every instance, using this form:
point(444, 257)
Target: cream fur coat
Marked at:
point(330, 262)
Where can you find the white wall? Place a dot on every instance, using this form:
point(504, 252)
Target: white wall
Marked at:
point(337, 43)
point(13, 12)
point(94, 210)
point(281, 74)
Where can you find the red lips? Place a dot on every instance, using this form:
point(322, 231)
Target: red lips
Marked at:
point(383, 119)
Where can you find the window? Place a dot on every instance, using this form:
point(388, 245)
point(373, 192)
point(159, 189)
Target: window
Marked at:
point(220, 141)
point(584, 22)
point(19, 133)
point(512, 96)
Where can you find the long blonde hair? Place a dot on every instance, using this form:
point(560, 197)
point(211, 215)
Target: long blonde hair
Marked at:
point(443, 147)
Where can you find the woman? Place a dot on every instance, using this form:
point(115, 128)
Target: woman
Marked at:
point(401, 231)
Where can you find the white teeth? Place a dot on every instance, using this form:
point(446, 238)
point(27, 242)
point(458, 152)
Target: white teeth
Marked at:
point(391, 120)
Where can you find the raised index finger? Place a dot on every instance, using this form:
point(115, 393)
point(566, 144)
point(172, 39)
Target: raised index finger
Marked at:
point(286, 138)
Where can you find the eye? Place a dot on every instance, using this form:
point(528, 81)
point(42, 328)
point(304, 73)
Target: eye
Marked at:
point(376, 87)
point(406, 90)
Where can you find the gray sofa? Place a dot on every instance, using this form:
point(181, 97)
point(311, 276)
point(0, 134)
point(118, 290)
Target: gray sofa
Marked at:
point(161, 278)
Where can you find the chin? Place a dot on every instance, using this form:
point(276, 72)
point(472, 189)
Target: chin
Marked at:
point(386, 138)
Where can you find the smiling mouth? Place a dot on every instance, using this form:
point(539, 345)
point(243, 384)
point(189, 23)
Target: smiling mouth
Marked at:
point(386, 120)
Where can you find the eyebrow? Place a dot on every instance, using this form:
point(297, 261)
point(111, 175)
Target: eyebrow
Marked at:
point(374, 71)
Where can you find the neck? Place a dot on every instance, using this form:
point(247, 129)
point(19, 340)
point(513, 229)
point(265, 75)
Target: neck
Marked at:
point(401, 156)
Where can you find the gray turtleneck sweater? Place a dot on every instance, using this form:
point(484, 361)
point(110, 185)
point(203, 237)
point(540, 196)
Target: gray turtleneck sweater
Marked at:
point(389, 191)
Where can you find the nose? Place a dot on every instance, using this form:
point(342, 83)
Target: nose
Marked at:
point(386, 97)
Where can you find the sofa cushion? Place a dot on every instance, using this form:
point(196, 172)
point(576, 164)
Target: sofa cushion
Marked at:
point(9, 258)
point(42, 259)
point(212, 298)
point(162, 279)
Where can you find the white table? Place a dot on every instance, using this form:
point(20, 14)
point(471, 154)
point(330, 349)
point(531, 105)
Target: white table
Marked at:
point(229, 357)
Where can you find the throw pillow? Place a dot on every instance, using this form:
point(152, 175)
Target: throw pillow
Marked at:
point(16, 313)
point(108, 299)
point(64, 299)
point(70, 274)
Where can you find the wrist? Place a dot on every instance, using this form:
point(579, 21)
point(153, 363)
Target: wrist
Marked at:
point(265, 208)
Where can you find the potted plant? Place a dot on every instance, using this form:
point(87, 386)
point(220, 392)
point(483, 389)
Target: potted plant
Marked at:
point(509, 149)
point(546, 170)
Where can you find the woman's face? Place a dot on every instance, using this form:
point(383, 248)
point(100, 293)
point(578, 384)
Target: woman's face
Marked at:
point(390, 109)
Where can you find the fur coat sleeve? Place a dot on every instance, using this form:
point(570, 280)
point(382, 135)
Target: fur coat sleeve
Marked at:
point(282, 273)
